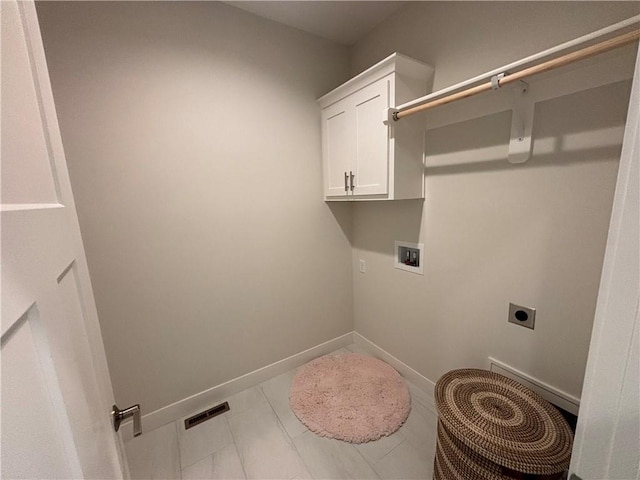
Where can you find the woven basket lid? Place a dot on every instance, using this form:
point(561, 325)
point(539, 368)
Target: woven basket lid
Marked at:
point(504, 421)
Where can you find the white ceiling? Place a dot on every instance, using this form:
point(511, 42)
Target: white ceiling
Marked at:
point(343, 21)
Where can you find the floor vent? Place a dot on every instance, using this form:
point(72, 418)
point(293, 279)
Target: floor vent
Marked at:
point(206, 415)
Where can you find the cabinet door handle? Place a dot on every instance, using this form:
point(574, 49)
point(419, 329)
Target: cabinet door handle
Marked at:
point(352, 177)
point(346, 187)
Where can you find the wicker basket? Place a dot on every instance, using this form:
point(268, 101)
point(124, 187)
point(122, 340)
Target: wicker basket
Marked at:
point(493, 428)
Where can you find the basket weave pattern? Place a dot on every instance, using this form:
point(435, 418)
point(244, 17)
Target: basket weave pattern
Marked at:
point(493, 428)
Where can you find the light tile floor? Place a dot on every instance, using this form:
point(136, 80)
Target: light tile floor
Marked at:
point(260, 438)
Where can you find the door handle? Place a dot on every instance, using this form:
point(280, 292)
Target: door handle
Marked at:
point(119, 415)
point(352, 177)
point(346, 187)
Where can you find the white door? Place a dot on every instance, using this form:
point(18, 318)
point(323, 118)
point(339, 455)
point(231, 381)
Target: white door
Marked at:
point(56, 391)
point(371, 158)
point(337, 148)
point(607, 443)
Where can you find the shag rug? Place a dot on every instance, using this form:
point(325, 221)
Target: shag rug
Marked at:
point(350, 397)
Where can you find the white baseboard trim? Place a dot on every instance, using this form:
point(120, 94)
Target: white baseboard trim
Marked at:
point(550, 393)
point(219, 393)
point(419, 380)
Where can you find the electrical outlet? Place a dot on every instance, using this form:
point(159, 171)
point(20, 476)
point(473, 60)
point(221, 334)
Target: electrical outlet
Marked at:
point(524, 316)
point(363, 266)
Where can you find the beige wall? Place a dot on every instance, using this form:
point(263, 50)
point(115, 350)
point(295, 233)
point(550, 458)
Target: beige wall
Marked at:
point(193, 142)
point(464, 39)
point(192, 137)
point(532, 234)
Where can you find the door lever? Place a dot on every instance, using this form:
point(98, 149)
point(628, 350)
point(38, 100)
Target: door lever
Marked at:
point(120, 415)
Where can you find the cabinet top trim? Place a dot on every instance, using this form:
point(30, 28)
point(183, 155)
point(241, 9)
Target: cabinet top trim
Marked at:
point(396, 62)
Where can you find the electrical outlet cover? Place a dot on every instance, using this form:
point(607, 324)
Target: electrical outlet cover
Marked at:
point(523, 316)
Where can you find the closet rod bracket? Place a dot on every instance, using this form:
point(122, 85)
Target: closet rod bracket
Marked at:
point(389, 116)
point(495, 80)
point(521, 139)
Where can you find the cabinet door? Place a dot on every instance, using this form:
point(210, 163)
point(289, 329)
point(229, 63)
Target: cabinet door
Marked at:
point(371, 161)
point(337, 147)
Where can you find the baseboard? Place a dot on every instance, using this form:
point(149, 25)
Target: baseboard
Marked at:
point(219, 393)
point(550, 393)
point(419, 380)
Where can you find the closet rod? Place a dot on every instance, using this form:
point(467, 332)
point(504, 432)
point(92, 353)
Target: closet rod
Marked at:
point(559, 49)
point(500, 80)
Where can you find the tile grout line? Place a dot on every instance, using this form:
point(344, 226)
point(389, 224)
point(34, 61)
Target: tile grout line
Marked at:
point(276, 413)
point(405, 439)
point(286, 433)
point(367, 462)
point(175, 424)
point(226, 420)
point(235, 445)
point(388, 453)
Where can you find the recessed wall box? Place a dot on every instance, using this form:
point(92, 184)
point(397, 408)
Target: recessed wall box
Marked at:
point(409, 257)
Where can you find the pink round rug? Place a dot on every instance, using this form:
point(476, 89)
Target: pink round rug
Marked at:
point(350, 397)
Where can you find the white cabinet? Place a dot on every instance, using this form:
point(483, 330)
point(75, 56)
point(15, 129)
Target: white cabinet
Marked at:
point(363, 158)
